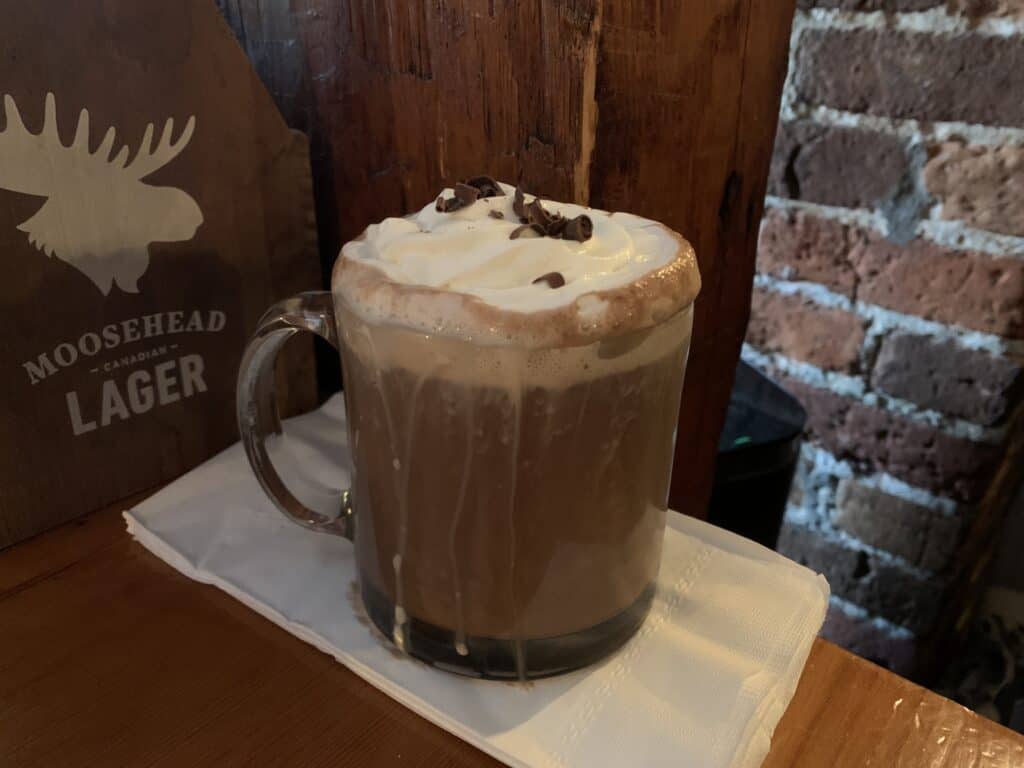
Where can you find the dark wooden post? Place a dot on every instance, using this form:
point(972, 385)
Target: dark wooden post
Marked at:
point(666, 109)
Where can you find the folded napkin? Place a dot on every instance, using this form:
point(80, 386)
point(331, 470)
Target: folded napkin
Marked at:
point(703, 683)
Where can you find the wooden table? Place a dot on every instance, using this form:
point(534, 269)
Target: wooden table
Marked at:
point(108, 657)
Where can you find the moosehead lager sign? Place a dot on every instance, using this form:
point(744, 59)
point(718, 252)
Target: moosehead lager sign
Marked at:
point(168, 381)
point(100, 218)
point(148, 213)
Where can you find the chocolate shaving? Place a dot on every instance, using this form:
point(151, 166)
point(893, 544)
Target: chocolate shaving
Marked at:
point(557, 227)
point(467, 194)
point(544, 222)
point(487, 186)
point(535, 214)
point(553, 279)
point(579, 229)
point(449, 204)
point(518, 205)
point(532, 216)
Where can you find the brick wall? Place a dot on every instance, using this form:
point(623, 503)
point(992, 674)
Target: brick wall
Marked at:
point(890, 299)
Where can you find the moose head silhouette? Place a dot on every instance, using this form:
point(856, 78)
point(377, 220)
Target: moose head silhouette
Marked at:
point(99, 216)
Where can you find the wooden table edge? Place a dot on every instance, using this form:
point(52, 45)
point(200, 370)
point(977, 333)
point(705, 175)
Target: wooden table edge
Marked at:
point(846, 711)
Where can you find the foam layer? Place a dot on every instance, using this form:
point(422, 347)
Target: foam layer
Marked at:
point(385, 346)
point(460, 274)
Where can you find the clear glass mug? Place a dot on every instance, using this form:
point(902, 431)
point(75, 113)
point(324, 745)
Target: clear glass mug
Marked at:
point(507, 503)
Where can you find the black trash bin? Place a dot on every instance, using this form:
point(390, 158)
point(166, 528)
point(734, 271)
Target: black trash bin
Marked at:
point(757, 455)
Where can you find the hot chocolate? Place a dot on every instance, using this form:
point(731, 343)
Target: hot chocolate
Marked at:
point(512, 392)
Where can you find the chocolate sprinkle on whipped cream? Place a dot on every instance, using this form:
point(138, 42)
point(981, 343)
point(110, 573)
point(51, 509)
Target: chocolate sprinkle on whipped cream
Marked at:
point(533, 216)
point(553, 279)
point(468, 192)
point(488, 187)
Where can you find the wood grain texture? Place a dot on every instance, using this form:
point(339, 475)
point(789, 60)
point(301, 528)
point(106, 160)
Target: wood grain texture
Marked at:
point(688, 98)
point(410, 96)
point(849, 713)
point(665, 109)
point(109, 657)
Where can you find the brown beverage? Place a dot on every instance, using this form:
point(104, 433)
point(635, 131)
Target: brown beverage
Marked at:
point(504, 499)
point(512, 379)
point(512, 467)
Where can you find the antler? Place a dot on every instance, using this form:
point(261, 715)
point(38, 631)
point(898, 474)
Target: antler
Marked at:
point(148, 160)
point(34, 163)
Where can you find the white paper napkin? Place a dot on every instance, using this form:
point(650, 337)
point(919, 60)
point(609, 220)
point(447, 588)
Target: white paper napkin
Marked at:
point(703, 683)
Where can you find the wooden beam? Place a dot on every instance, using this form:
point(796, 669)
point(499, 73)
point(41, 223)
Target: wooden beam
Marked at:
point(688, 99)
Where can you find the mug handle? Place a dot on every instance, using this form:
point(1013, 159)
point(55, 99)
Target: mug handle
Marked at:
point(258, 418)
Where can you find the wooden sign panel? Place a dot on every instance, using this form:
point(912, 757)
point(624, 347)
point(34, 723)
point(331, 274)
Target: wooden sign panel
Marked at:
point(152, 204)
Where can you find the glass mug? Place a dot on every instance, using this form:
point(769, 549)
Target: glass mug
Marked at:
point(508, 503)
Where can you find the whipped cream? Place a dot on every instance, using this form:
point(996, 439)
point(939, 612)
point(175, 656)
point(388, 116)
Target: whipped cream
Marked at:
point(469, 252)
point(460, 275)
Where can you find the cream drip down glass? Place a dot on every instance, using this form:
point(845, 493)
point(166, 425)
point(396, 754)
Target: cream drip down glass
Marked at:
point(511, 437)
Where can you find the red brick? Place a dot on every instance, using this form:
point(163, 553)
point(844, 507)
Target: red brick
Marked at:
point(965, 288)
point(889, 6)
point(832, 165)
point(978, 8)
point(941, 375)
point(974, 78)
point(924, 537)
point(872, 640)
point(982, 186)
point(972, 8)
point(794, 245)
point(878, 440)
point(880, 587)
point(826, 337)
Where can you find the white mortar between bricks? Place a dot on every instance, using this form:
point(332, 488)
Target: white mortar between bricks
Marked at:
point(857, 388)
point(933, 21)
point(885, 320)
point(856, 612)
point(823, 462)
point(824, 527)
